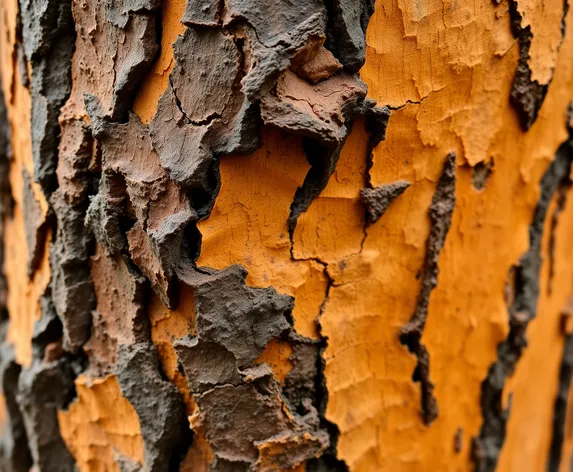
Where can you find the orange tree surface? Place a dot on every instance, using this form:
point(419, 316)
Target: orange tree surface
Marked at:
point(457, 79)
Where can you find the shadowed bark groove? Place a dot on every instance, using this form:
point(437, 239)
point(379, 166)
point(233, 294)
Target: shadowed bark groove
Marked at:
point(488, 444)
point(561, 403)
point(527, 95)
point(440, 213)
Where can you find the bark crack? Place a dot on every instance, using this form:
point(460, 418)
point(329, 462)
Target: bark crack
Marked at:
point(523, 308)
point(440, 212)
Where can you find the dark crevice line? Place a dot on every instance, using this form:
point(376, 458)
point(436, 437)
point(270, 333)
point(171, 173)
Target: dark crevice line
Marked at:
point(561, 403)
point(523, 308)
point(527, 95)
point(328, 461)
point(440, 213)
point(560, 205)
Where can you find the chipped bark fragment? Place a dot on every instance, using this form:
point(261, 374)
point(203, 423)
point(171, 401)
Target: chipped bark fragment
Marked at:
point(34, 222)
point(241, 409)
point(43, 388)
point(320, 111)
point(239, 318)
point(487, 445)
point(135, 186)
point(72, 288)
point(276, 32)
point(348, 20)
point(202, 12)
point(115, 46)
point(207, 364)
point(120, 316)
point(157, 403)
point(247, 423)
point(377, 200)
point(321, 67)
point(188, 133)
point(440, 212)
point(48, 37)
point(14, 453)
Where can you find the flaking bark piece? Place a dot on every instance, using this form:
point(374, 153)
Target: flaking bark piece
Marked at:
point(320, 111)
point(120, 317)
point(235, 417)
point(187, 132)
point(48, 36)
point(241, 407)
point(14, 453)
point(206, 364)
point(71, 285)
point(202, 12)
point(135, 186)
point(321, 67)
point(377, 200)
point(277, 32)
point(112, 57)
point(157, 402)
point(348, 20)
point(43, 388)
point(238, 317)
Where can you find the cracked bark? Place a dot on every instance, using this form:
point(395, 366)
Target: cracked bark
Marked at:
point(212, 226)
point(522, 309)
point(440, 213)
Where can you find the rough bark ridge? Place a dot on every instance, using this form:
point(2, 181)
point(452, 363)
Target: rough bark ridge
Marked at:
point(522, 309)
point(124, 199)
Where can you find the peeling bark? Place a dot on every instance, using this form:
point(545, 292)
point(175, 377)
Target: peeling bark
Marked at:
point(207, 285)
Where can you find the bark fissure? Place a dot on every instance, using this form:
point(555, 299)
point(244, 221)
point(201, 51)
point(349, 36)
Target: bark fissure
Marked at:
point(440, 213)
point(527, 95)
point(560, 205)
point(489, 442)
point(561, 400)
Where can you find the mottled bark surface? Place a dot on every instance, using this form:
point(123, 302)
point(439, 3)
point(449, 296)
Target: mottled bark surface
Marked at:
point(264, 235)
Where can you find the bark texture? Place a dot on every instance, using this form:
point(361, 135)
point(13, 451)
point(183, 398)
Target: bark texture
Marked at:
point(259, 235)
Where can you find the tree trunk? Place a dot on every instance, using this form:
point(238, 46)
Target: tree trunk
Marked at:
point(320, 235)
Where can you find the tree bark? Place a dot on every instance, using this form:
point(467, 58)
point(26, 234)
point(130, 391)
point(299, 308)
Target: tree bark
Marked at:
point(326, 235)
